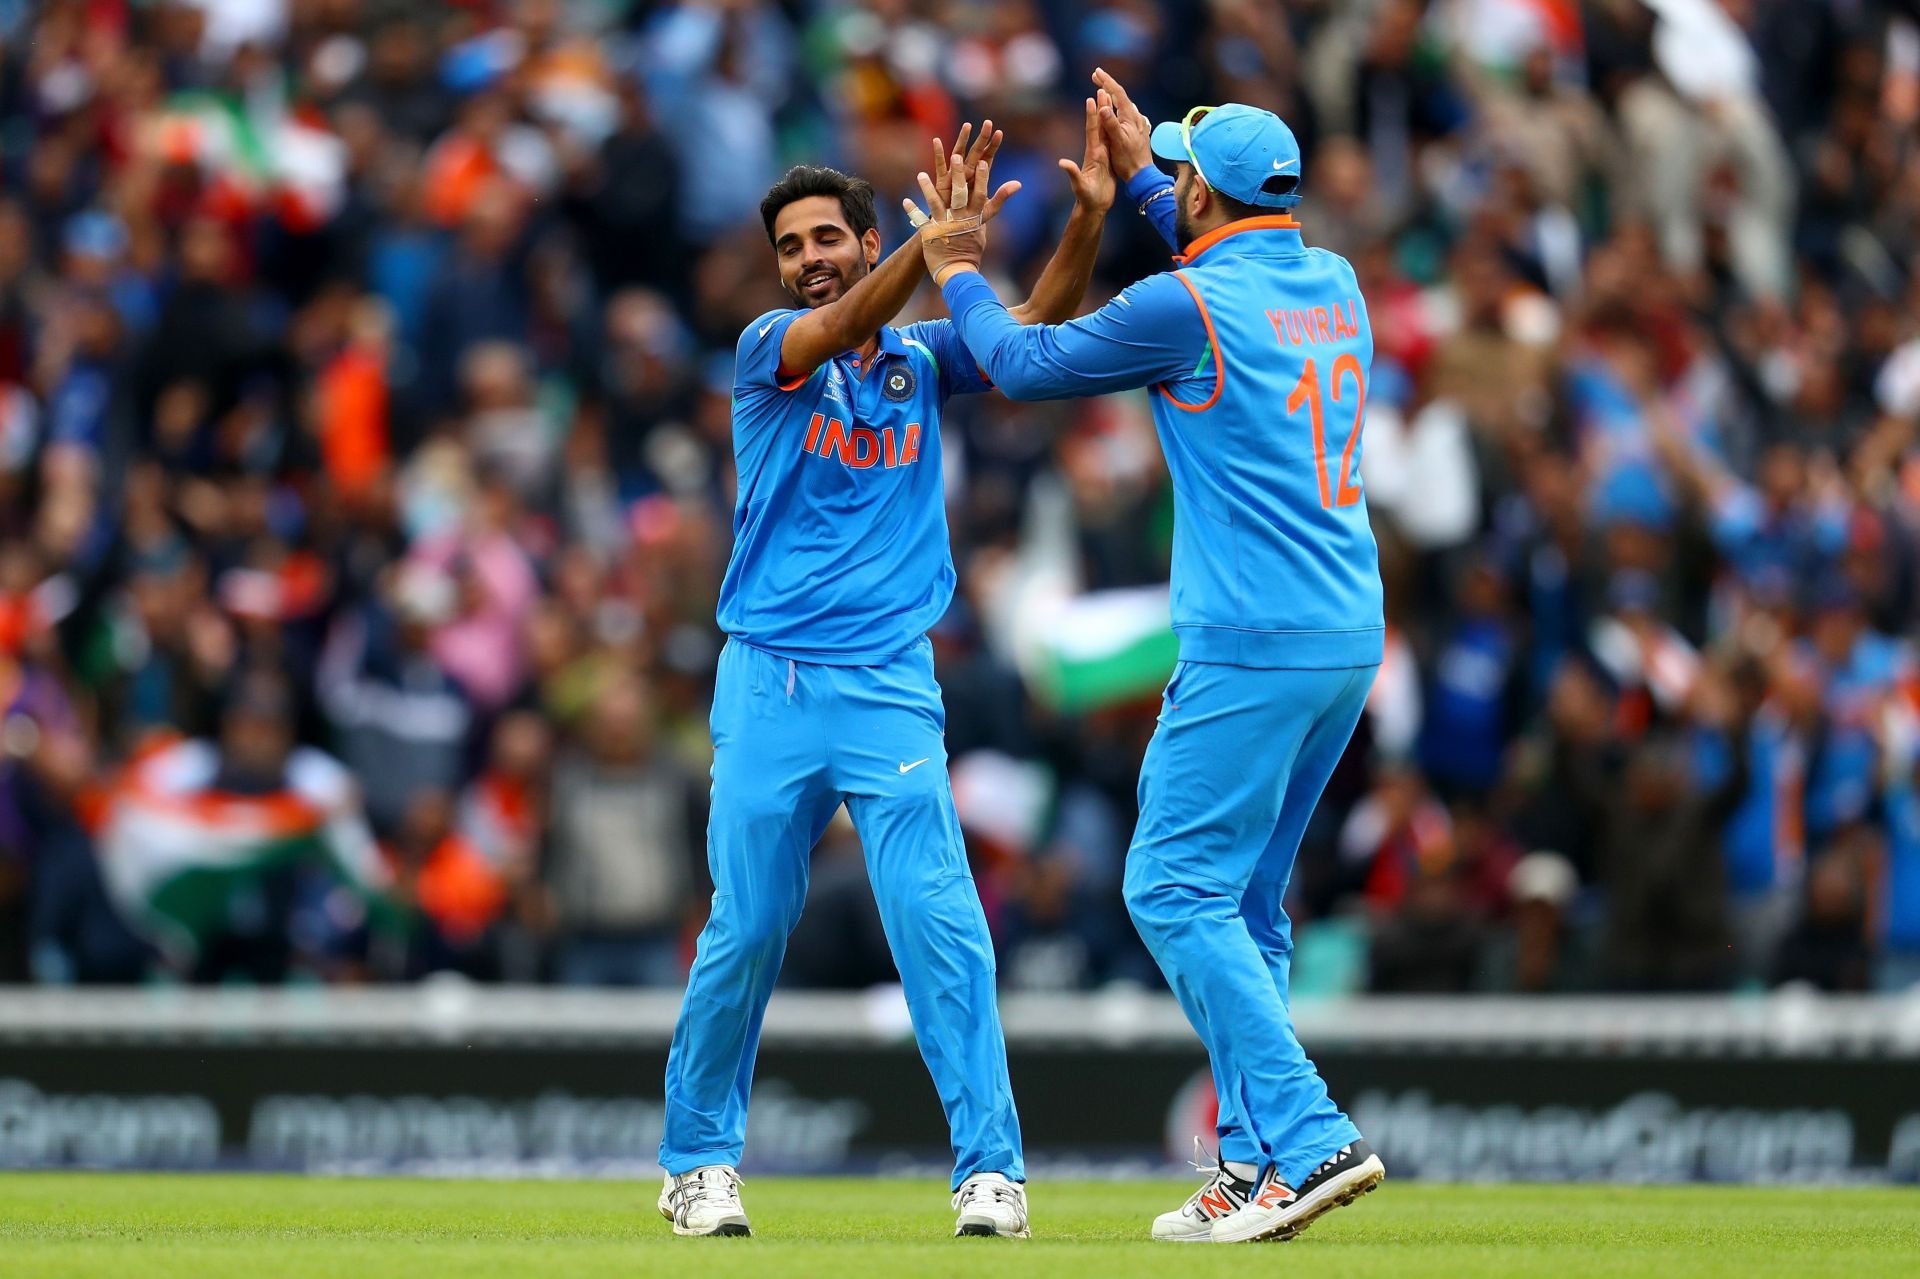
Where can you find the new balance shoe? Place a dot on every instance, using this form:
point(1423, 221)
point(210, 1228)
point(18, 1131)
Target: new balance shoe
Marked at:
point(1220, 1194)
point(705, 1201)
point(1278, 1211)
point(990, 1204)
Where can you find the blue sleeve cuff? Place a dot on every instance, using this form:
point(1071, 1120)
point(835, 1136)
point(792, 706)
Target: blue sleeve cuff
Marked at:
point(1144, 183)
point(963, 289)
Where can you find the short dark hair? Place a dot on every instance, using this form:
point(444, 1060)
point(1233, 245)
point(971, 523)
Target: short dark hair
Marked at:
point(804, 180)
point(1235, 209)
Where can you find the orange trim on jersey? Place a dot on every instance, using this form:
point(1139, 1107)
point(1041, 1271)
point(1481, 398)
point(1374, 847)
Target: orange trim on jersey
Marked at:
point(1213, 343)
point(794, 385)
point(1270, 222)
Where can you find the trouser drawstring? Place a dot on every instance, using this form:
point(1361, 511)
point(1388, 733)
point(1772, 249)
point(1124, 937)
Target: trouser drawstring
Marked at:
point(791, 670)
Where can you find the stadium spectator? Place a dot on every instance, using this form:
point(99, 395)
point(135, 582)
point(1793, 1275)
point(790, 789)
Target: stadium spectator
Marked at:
point(459, 894)
point(246, 855)
point(1830, 948)
point(1660, 868)
point(401, 722)
point(624, 852)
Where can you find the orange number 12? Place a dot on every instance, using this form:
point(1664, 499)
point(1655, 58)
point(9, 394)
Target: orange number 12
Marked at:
point(1340, 491)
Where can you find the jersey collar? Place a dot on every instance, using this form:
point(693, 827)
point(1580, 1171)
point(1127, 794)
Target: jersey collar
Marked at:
point(891, 343)
point(1269, 222)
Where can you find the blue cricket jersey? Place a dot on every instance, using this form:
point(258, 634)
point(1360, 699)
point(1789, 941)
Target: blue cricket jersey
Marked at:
point(1259, 352)
point(840, 549)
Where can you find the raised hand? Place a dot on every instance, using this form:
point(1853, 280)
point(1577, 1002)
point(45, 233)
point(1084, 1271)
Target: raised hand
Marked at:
point(1127, 130)
point(1092, 178)
point(964, 159)
point(952, 227)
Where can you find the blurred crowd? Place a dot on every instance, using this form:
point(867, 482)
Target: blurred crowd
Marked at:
point(365, 480)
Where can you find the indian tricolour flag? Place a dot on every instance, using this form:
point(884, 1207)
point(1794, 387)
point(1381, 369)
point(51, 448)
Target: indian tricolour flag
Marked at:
point(1103, 647)
point(177, 853)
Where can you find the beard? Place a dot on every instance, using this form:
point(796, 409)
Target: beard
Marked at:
point(800, 297)
point(1182, 228)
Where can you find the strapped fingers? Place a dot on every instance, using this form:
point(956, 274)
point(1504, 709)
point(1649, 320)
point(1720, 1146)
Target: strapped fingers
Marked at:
point(979, 189)
point(958, 197)
point(916, 216)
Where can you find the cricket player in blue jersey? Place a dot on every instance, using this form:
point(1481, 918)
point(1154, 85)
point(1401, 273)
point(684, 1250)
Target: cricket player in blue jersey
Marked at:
point(825, 693)
point(1258, 350)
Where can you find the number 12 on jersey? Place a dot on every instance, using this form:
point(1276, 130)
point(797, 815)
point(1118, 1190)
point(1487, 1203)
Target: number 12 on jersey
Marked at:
point(1334, 490)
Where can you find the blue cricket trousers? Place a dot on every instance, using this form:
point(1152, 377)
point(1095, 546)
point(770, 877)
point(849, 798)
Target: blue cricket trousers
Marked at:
point(792, 742)
point(1234, 771)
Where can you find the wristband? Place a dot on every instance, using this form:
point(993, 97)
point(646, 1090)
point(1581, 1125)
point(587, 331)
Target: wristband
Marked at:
point(1162, 192)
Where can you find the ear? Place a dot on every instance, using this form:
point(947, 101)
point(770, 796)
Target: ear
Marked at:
point(870, 246)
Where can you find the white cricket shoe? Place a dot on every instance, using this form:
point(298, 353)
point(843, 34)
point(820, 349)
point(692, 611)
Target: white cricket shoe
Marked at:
point(1220, 1194)
point(1278, 1211)
point(990, 1204)
point(705, 1201)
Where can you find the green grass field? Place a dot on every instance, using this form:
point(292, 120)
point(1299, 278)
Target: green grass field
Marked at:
point(209, 1227)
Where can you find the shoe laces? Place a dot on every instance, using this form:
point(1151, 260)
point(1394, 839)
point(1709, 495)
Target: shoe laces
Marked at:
point(992, 1189)
point(1209, 1165)
point(716, 1182)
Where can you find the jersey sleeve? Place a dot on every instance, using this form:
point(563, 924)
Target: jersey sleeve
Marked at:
point(756, 361)
point(959, 372)
point(1150, 333)
point(1152, 192)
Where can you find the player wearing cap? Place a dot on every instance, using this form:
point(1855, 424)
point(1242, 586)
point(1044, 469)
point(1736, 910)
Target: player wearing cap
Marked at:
point(825, 692)
point(1258, 350)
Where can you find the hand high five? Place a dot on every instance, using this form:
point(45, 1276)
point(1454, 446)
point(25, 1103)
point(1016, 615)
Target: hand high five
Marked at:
point(957, 177)
point(951, 227)
point(1092, 178)
point(1127, 129)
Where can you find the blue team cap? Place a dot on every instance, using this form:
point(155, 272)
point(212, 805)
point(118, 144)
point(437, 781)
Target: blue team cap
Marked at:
point(1238, 150)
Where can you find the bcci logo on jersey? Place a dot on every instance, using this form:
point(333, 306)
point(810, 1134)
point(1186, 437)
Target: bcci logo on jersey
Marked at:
point(863, 446)
point(898, 386)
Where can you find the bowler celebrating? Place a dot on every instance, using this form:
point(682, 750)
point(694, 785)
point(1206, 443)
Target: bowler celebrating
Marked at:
point(825, 692)
point(1258, 350)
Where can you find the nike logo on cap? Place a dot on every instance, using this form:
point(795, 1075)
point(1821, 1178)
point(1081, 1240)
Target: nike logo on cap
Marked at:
point(906, 768)
point(1278, 164)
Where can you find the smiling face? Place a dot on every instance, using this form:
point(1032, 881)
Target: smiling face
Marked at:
point(819, 256)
